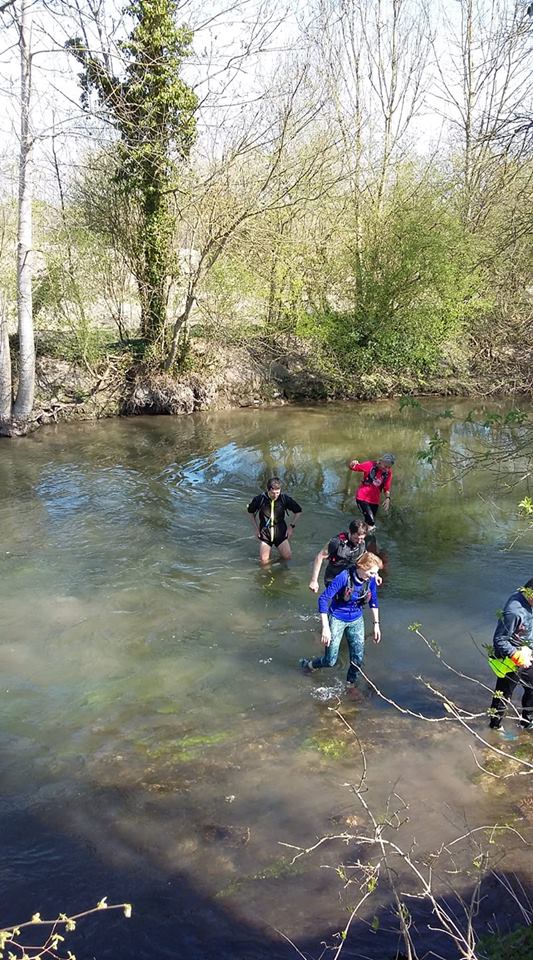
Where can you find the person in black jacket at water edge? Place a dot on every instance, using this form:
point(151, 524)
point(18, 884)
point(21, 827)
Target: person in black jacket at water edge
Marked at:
point(513, 657)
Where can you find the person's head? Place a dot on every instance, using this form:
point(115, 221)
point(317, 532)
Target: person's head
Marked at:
point(386, 461)
point(357, 531)
point(274, 488)
point(368, 566)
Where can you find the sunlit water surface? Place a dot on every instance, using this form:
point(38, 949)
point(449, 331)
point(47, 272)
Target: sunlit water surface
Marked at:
point(159, 744)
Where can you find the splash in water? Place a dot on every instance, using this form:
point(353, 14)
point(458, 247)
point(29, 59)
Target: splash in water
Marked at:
point(328, 693)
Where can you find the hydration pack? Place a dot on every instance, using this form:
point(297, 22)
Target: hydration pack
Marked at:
point(343, 539)
point(371, 476)
point(345, 594)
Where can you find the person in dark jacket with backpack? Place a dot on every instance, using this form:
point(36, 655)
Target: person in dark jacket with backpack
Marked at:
point(341, 552)
point(267, 514)
point(513, 656)
point(377, 480)
point(341, 610)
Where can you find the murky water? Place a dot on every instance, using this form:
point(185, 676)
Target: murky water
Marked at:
point(158, 742)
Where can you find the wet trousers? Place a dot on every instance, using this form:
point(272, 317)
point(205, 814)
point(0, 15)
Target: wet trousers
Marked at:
point(503, 693)
point(355, 635)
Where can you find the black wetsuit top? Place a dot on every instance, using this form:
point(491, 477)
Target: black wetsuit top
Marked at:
point(272, 526)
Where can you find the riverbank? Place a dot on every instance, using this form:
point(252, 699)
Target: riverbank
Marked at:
point(216, 377)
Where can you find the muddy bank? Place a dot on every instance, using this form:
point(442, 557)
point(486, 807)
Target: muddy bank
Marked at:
point(220, 377)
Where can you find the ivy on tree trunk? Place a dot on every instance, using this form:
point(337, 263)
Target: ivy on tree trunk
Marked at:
point(153, 111)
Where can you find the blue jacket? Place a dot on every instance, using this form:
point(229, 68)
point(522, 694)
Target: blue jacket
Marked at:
point(347, 610)
point(515, 626)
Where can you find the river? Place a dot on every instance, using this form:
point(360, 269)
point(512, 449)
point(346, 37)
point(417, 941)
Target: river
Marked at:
point(159, 743)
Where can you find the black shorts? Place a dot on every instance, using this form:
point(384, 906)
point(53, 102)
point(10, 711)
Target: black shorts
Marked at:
point(280, 535)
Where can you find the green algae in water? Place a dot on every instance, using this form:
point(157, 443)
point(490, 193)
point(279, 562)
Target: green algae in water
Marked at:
point(330, 747)
point(278, 869)
point(525, 751)
point(183, 749)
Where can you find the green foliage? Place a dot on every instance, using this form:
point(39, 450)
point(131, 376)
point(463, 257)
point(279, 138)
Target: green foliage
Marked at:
point(508, 419)
point(89, 345)
point(434, 447)
point(409, 402)
point(410, 283)
point(517, 945)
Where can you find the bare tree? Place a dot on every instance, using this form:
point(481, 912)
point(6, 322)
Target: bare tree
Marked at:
point(26, 374)
point(275, 165)
point(14, 417)
point(485, 82)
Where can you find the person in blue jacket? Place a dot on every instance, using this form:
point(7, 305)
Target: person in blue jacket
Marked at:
point(513, 656)
point(341, 609)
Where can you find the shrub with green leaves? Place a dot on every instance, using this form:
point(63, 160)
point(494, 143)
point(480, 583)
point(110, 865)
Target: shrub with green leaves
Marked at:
point(410, 284)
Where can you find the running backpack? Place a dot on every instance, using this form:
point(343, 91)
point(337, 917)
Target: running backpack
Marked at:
point(371, 476)
point(345, 594)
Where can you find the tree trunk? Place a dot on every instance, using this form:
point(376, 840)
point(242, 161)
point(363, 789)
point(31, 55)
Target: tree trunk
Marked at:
point(154, 270)
point(5, 373)
point(26, 383)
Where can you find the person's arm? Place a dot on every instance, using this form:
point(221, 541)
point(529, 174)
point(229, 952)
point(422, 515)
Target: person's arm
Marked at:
point(324, 601)
point(355, 465)
point(253, 509)
point(374, 606)
point(296, 511)
point(317, 564)
point(386, 491)
point(254, 523)
point(511, 629)
point(326, 631)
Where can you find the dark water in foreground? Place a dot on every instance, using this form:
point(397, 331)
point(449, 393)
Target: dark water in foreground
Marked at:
point(158, 743)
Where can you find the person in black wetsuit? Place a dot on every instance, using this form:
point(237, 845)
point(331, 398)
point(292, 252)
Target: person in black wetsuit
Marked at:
point(341, 552)
point(267, 514)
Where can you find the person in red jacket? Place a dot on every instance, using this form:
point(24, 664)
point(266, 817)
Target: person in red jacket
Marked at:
point(377, 480)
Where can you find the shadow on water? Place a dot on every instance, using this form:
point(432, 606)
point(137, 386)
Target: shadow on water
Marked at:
point(171, 918)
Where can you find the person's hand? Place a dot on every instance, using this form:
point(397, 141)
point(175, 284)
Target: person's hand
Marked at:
point(314, 586)
point(290, 531)
point(386, 504)
point(326, 636)
point(377, 633)
point(379, 580)
point(258, 534)
point(353, 463)
point(523, 657)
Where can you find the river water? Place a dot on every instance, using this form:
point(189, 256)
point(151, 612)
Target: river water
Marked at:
point(159, 744)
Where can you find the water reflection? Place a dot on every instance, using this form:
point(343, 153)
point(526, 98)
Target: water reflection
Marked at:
point(150, 666)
